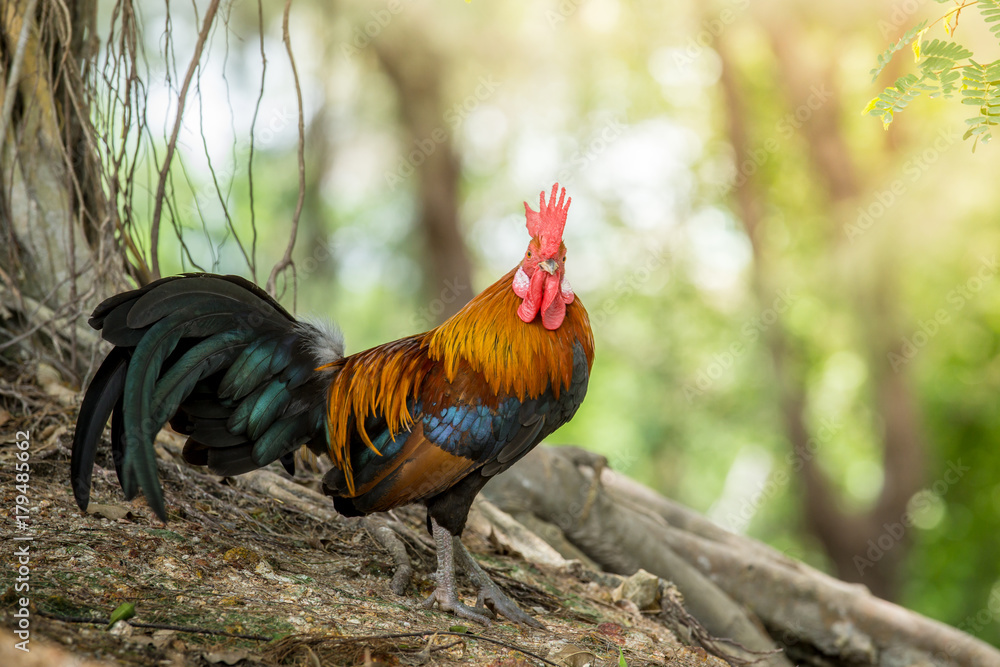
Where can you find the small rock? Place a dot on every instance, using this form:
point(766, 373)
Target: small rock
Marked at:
point(163, 638)
point(642, 588)
point(629, 607)
point(122, 629)
point(225, 657)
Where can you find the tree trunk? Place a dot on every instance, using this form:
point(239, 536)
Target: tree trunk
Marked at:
point(415, 71)
point(59, 250)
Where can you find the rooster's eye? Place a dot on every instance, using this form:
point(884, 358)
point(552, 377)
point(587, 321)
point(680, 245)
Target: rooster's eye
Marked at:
point(564, 259)
point(529, 254)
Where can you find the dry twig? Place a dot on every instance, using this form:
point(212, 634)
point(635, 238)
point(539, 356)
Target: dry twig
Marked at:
point(286, 261)
point(154, 240)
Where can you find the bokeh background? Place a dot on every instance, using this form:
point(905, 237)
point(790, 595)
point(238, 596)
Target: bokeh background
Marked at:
point(797, 312)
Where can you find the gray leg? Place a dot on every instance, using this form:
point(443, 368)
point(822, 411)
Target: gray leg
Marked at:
point(491, 600)
point(446, 593)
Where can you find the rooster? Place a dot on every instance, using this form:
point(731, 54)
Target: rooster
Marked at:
point(425, 419)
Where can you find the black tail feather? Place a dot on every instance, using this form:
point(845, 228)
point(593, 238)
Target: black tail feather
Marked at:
point(288, 462)
point(176, 340)
point(118, 449)
point(179, 294)
point(216, 432)
point(232, 461)
point(104, 394)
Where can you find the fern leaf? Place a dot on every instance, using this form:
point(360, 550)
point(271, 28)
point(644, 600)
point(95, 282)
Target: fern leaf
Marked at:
point(939, 66)
point(896, 97)
point(990, 9)
point(949, 82)
point(981, 89)
point(886, 56)
point(939, 55)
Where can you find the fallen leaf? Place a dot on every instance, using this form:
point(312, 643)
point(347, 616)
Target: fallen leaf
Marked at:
point(50, 381)
point(242, 558)
point(574, 656)
point(113, 512)
point(612, 631)
point(123, 612)
point(4, 416)
point(55, 435)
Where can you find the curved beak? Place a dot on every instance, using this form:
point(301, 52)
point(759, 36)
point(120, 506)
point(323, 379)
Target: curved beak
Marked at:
point(549, 266)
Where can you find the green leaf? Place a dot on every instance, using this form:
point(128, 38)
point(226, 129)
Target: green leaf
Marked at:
point(459, 628)
point(125, 611)
point(886, 55)
point(621, 658)
point(916, 45)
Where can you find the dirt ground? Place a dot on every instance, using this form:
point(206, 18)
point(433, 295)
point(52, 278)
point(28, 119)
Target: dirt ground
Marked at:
point(239, 578)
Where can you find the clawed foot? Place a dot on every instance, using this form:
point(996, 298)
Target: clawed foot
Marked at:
point(491, 599)
point(447, 600)
point(494, 601)
point(490, 603)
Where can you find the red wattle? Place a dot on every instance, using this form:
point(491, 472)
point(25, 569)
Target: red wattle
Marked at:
point(533, 299)
point(543, 294)
point(551, 292)
point(553, 306)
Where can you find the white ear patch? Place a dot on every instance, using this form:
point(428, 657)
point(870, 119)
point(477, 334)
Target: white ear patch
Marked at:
point(567, 291)
point(521, 283)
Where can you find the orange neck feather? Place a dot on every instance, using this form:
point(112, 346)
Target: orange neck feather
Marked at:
point(514, 357)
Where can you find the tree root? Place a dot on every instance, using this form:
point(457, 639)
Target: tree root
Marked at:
point(289, 493)
point(734, 586)
point(620, 539)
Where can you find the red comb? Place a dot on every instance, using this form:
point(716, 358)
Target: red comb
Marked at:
point(548, 222)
